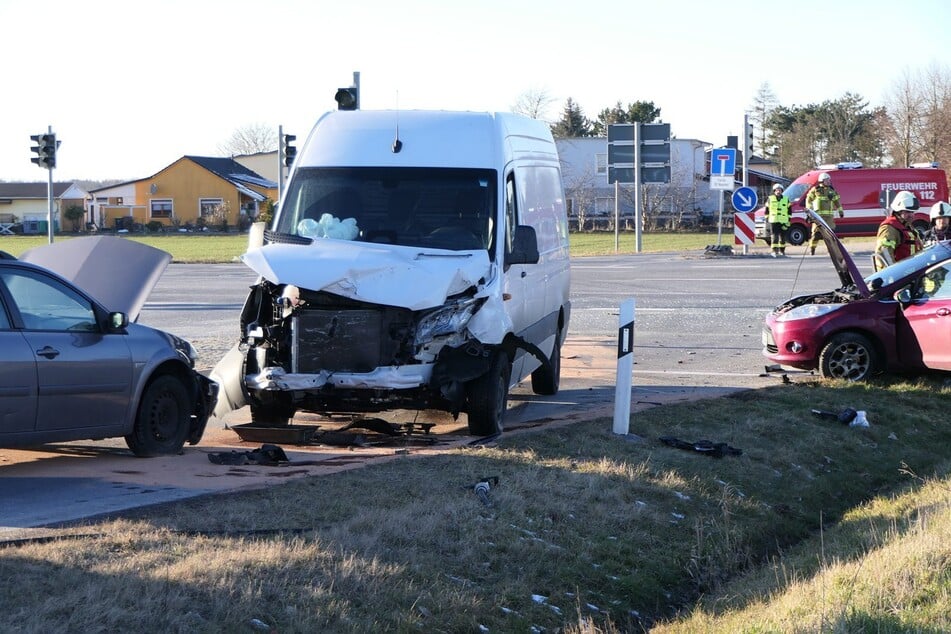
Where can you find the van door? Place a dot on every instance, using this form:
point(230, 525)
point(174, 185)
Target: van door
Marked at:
point(522, 285)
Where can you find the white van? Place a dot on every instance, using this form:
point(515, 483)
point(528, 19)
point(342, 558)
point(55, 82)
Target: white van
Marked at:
point(418, 260)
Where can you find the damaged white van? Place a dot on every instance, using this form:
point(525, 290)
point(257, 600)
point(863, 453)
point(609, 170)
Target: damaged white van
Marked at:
point(418, 260)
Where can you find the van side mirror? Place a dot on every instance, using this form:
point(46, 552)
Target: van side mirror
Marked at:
point(524, 246)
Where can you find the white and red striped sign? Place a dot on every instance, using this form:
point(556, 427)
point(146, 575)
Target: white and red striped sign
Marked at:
point(744, 228)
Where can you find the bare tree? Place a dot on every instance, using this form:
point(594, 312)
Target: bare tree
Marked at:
point(904, 104)
point(534, 103)
point(936, 111)
point(764, 102)
point(250, 139)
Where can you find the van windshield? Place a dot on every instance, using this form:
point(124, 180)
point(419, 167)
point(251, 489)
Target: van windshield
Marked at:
point(417, 207)
point(796, 191)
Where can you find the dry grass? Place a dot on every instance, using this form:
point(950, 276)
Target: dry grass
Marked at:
point(816, 523)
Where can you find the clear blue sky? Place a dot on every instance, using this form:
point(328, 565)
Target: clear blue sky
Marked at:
point(131, 86)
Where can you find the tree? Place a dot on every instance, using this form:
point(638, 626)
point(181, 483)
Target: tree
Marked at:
point(919, 110)
point(573, 123)
point(533, 103)
point(764, 102)
point(639, 111)
point(251, 139)
point(74, 213)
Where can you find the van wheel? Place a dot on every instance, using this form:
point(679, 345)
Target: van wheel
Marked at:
point(488, 397)
point(796, 235)
point(849, 356)
point(921, 227)
point(545, 379)
point(272, 410)
point(163, 418)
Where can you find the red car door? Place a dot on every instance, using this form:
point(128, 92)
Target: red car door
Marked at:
point(928, 319)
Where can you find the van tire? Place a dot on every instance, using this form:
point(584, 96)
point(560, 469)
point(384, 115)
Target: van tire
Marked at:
point(796, 235)
point(272, 410)
point(545, 379)
point(488, 397)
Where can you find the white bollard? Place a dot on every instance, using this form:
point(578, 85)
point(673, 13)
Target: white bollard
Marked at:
point(625, 365)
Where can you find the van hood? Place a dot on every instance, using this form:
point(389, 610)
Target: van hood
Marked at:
point(391, 275)
point(117, 272)
point(844, 265)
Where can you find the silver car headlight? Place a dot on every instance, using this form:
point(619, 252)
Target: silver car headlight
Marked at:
point(808, 311)
point(447, 320)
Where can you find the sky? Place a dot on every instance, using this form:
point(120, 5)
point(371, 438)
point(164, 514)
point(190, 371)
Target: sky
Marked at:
point(131, 86)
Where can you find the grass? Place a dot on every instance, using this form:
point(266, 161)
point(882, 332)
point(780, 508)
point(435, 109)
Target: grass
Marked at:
point(194, 248)
point(817, 526)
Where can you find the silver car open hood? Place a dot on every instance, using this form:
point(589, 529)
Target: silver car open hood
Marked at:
point(844, 265)
point(408, 277)
point(117, 272)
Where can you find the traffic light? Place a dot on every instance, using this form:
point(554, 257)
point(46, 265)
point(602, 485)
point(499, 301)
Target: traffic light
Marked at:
point(287, 150)
point(347, 98)
point(45, 149)
point(748, 148)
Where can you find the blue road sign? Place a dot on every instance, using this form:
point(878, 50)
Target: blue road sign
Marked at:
point(722, 161)
point(744, 199)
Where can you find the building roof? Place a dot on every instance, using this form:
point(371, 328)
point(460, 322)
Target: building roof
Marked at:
point(232, 171)
point(30, 191)
point(226, 168)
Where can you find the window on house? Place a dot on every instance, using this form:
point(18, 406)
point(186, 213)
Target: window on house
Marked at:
point(601, 163)
point(603, 205)
point(570, 206)
point(160, 208)
point(209, 206)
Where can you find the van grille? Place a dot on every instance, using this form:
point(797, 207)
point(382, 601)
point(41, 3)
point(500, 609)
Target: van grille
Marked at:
point(351, 338)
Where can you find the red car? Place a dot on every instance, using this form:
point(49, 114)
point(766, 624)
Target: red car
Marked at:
point(898, 319)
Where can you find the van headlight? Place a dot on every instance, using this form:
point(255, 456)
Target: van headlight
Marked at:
point(447, 320)
point(808, 311)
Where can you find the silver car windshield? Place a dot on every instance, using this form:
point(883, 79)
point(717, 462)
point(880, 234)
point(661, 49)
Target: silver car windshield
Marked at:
point(417, 207)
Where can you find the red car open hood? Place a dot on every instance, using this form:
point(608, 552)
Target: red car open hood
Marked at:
point(117, 272)
point(844, 265)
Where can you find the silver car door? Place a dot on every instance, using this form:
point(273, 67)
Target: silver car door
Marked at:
point(17, 381)
point(84, 375)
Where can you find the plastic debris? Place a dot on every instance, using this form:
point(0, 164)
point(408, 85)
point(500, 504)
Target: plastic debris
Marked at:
point(860, 420)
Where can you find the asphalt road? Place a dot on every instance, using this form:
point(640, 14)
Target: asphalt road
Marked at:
point(698, 325)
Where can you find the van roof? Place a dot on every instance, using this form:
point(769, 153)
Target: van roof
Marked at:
point(401, 138)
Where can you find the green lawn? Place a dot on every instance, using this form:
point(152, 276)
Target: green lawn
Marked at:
point(225, 248)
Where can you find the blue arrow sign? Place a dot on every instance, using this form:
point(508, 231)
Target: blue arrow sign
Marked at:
point(722, 161)
point(744, 199)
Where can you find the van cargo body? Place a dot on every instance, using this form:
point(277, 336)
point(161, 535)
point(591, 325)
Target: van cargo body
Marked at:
point(418, 260)
point(864, 193)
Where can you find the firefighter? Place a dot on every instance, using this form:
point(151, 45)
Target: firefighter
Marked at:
point(824, 200)
point(940, 223)
point(897, 239)
point(777, 208)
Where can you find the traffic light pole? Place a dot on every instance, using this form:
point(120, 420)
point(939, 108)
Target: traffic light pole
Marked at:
point(49, 197)
point(280, 162)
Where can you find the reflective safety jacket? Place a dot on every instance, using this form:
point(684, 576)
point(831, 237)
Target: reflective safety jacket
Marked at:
point(824, 200)
point(778, 209)
point(897, 238)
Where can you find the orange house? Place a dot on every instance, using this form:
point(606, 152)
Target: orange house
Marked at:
point(193, 191)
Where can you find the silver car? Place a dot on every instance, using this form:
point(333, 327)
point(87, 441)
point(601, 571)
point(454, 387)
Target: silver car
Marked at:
point(73, 366)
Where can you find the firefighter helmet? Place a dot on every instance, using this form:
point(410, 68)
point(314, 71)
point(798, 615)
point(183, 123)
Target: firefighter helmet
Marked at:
point(904, 201)
point(824, 178)
point(940, 210)
point(777, 188)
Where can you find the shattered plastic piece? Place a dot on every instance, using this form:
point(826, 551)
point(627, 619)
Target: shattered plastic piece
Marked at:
point(845, 416)
point(860, 420)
